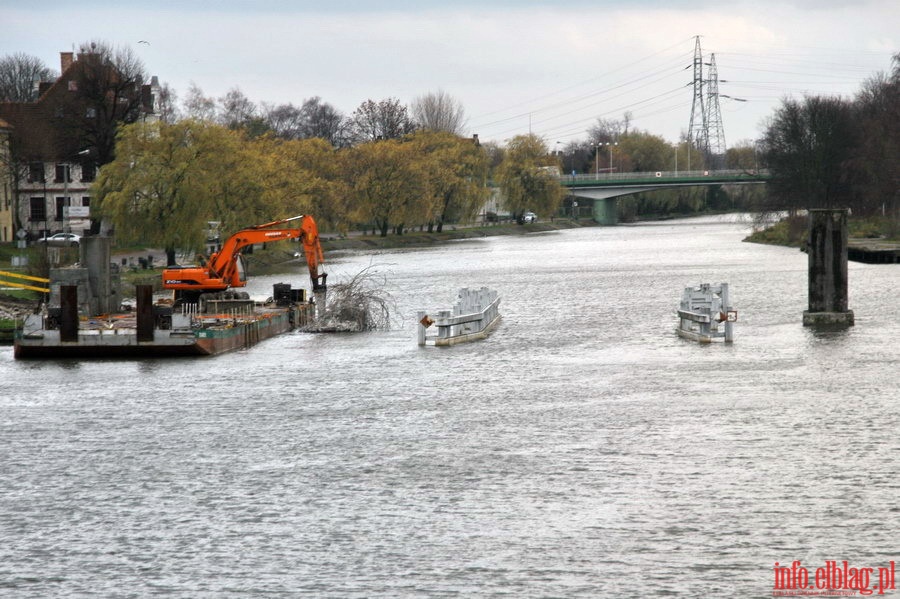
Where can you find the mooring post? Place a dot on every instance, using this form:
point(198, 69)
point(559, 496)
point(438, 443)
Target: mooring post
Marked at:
point(827, 247)
point(68, 313)
point(145, 319)
point(420, 320)
point(726, 305)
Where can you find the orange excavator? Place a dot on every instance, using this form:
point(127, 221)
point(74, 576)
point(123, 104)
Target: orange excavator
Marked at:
point(225, 268)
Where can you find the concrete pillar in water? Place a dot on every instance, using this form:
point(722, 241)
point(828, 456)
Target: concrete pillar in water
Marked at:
point(606, 211)
point(95, 256)
point(828, 269)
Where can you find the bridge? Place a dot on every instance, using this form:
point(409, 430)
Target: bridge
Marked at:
point(604, 188)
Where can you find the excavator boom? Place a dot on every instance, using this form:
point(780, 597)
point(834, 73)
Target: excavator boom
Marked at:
point(223, 269)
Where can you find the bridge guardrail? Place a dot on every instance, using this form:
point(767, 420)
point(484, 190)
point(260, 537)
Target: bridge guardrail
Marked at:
point(655, 176)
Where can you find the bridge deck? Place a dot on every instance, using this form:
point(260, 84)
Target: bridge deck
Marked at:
point(665, 178)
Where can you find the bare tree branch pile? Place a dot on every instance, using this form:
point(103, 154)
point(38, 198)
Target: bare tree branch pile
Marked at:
point(360, 304)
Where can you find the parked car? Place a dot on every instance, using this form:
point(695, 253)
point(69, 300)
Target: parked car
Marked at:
point(61, 239)
point(529, 217)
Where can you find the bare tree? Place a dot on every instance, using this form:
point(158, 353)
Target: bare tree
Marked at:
point(235, 109)
point(168, 104)
point(609, 129)
point(807, 145)
point(108, 80)
point(439, 111)
point(321, 119)
point(197, 106)
point(284, 120)
point(19, 76)
point(387, 119)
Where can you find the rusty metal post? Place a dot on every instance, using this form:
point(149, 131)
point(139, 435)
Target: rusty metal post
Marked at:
point(144, 312)
point(828, 303)
point(68, 317)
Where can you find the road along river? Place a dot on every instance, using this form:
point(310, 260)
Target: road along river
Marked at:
point(583, 450)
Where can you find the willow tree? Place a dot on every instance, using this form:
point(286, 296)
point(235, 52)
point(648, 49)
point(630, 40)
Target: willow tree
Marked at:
point(528, 177)
point(167, 181)
point(456, 168)
point(388, 185)
point(304, 176)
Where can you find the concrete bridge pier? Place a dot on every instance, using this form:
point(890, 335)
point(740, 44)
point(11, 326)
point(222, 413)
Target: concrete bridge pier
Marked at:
point(606, 211)
point(828, 270)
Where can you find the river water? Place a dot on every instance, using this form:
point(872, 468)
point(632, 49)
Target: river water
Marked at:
point(583, 450)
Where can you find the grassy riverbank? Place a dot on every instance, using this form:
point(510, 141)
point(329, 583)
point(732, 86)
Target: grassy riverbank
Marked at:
point(272, 259)
point(792, 231)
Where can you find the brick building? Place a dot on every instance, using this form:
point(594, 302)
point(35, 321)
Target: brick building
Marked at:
point(56, 142)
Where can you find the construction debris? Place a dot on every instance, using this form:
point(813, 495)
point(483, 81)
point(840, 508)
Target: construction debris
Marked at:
point(360, 304)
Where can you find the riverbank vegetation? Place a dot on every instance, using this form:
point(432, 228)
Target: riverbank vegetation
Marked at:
point(792, 230)
point(394, 169)
point(831, 152)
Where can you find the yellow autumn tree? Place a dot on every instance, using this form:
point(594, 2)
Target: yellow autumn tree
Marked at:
point(388, 186)
point(526, 177)
point(456, 168)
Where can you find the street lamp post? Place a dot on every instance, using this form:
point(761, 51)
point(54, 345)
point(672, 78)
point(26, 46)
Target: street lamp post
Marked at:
point(66, 202)
point(611, 144)
point(597, 159)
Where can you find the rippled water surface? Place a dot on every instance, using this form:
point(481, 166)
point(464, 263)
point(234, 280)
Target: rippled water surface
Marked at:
point(583, 450)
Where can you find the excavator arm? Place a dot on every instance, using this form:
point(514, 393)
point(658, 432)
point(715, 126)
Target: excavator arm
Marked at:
point(222, 270)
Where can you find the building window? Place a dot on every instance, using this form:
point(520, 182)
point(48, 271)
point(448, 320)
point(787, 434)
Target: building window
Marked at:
point(63, 173)
point(38, 209)
point(60, 207)
point(88, 172)
point(86, 201)
point(36, 172)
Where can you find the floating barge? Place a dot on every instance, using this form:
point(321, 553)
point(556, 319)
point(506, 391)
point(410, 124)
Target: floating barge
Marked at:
point(156, 330)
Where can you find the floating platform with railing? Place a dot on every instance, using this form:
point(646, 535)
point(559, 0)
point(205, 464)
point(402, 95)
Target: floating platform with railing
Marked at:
point(475, 315)
point(703, 309)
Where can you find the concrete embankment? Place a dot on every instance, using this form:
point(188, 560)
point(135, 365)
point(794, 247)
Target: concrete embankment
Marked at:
point(270, 261)
point(417, 238)
point(873, 251)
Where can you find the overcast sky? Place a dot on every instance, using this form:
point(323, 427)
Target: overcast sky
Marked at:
point(515, 65)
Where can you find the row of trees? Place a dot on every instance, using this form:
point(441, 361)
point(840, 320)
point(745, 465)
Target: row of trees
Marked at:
point(371, 121)
point(826, 152)
point(169, 179)
point(385, 166)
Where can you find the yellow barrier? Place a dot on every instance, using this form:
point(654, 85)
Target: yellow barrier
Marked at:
point(23, 285)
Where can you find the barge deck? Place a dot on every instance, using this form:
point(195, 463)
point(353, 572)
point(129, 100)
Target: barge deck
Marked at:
point(153, 330)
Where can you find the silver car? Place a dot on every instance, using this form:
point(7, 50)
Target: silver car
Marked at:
point(61, 239)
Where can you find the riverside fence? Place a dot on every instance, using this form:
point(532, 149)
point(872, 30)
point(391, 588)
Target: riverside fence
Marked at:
point(475, 315)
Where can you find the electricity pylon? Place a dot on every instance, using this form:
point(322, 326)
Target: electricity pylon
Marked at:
point(698, 130)
point(715, 131)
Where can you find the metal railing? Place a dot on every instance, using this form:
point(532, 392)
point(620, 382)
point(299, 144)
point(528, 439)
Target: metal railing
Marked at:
point(476, 312)
point(659, 176)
